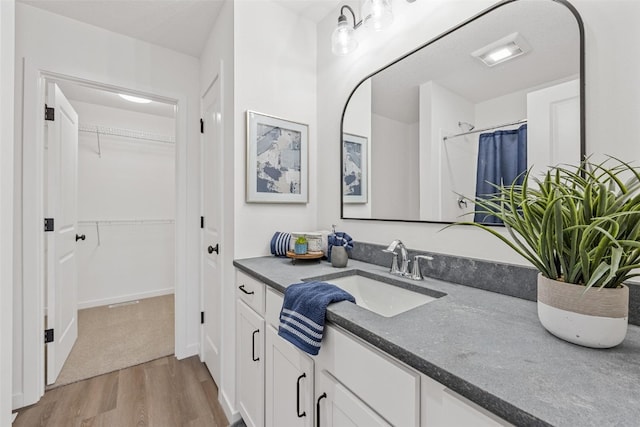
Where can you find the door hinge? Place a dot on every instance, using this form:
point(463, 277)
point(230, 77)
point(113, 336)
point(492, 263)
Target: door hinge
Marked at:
point(201, 126)
point(48, 336)
point(49, 113)
point(202, 317)
point(48, 224)
point(201, 222)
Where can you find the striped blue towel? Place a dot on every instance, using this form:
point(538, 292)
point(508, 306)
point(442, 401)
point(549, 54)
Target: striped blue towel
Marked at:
point(280, 243)
point(303, 313)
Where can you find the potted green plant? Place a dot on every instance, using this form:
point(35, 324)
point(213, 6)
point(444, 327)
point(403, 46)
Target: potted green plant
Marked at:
point(580, 227)
point(301, 245)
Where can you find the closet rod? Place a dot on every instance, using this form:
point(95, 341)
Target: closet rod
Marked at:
point(126, 133)
point(126, 221)
point(519, 122)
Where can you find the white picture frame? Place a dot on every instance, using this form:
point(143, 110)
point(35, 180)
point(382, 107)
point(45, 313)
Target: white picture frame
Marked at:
point(277, 160)
point(355, 175)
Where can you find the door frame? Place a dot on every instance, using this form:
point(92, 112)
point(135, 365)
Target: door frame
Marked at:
point(33, 239)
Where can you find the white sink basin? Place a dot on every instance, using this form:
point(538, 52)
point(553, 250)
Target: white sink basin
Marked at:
point(383, 298)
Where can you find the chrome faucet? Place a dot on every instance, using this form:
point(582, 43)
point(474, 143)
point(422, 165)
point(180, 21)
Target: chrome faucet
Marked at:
point(404, 266)
point(416, 274)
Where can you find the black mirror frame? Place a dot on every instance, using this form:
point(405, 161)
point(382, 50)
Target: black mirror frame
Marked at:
point(583, 146)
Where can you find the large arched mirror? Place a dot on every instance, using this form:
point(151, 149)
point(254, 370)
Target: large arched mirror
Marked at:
point(504, 89)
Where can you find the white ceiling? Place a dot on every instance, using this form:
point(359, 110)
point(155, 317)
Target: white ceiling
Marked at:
point(181, 25)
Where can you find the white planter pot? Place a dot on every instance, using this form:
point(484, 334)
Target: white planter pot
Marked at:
point(597, 318)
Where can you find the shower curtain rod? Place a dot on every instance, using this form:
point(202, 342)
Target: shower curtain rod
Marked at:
point(519, 122)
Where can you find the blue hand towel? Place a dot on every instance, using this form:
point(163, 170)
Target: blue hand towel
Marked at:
point(303, 313)
point(338, 239)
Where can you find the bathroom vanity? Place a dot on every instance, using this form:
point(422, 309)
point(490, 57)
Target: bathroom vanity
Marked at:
point(467, 357)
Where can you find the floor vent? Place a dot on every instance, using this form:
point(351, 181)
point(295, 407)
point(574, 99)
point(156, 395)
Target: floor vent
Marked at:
point(120, 304)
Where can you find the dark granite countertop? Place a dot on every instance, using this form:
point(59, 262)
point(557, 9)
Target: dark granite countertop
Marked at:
point(490, 348)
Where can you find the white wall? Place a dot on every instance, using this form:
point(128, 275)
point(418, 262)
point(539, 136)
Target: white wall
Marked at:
point(7, 40)
point(68, 47)
point(131, 180)
point(268, 57)
point(449, 162)
point(275, 74)
point(613, 104)
point(394, 148)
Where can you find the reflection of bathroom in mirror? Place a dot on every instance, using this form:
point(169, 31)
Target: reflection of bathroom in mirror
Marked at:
point(442, 122)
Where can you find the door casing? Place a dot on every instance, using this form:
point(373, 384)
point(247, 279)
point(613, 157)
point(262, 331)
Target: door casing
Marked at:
point(33, 242)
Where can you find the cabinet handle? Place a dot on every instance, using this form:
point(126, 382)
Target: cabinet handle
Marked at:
point(80, 237)
point(253, 346)
point(212, 249)
point(322, 396)
point(304, 414)
point(241, 287)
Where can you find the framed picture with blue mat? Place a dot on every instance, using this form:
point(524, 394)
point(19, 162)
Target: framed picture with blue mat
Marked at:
point(354, 168)
point(277, 160)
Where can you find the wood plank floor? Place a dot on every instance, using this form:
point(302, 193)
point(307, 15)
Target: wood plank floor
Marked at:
point(163, 392)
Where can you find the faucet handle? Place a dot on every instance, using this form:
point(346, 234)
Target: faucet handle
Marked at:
point(416, 274)
point(394, 264)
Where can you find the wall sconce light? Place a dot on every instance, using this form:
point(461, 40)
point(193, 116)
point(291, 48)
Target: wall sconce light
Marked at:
point(378, 15)
point(342, 40)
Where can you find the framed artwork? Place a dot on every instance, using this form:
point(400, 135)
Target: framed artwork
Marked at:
point(354, 168)
point(277, 160)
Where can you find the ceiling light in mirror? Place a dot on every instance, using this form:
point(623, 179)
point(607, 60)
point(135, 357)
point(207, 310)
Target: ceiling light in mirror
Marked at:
point(135, 99)
point(502, 50)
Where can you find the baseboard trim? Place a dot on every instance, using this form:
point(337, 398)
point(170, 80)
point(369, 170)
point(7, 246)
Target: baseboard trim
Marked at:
point(13, 417)
point(232, 415)
point(17, 401)
point(190, 350)
point(124, 298)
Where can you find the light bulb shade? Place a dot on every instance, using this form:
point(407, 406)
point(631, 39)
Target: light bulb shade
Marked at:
point(378, 14)
point(342, 39)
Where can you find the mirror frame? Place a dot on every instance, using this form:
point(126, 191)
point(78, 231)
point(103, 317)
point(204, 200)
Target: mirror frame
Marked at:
point(580, 23)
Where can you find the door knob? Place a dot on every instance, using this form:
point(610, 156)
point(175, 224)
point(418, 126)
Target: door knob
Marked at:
point(212, 249)
point(80, 237)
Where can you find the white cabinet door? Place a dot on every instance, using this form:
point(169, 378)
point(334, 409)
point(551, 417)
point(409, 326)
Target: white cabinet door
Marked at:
point(289, 384)
point(250, 365)
point(336, 406)
point(458, 411)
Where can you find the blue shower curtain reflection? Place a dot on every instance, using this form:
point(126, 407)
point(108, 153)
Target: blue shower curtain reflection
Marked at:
point(502, 157)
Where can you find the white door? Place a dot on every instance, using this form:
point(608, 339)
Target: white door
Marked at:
point(210, 247)
point(250, 365)
point(336, 406)
point(289, 384)
point(553, 131)
point(61, 197)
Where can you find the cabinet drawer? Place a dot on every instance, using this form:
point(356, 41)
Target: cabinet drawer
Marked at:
point(251, 291)
point(274, 305)
point(390, 389)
